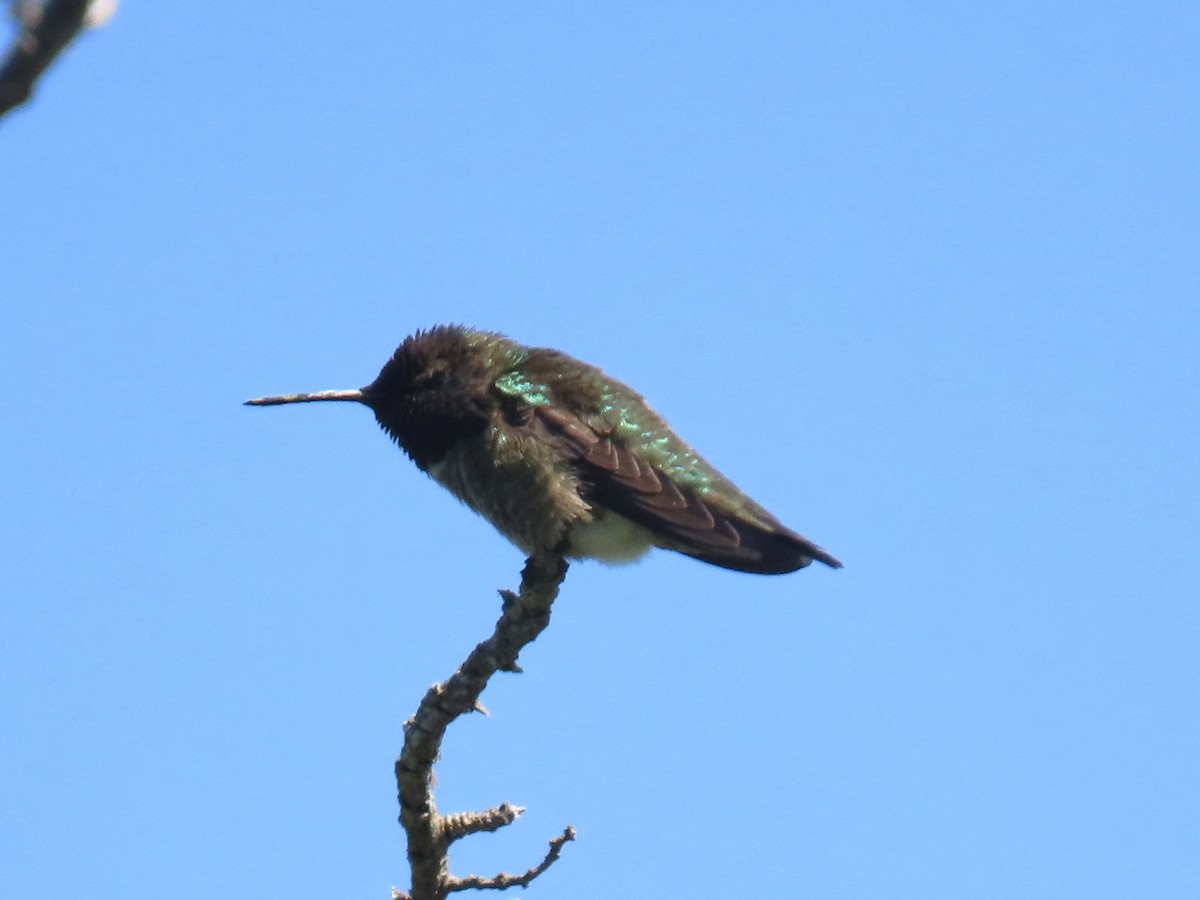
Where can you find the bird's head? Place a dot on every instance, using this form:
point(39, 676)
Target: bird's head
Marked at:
point(432, 393)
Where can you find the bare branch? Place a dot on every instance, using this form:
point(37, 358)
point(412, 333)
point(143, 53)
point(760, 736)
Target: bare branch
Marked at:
point(505, 880)
point(43, 33)
point(459, 825)
point(525, 615)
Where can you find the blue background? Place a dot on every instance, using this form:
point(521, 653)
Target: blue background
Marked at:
point(921, 278)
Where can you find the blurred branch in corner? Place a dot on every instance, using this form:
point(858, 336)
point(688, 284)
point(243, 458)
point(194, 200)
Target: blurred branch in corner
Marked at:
point(44, 28)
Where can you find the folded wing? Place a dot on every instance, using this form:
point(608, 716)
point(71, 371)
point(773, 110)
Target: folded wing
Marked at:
point(690, 520)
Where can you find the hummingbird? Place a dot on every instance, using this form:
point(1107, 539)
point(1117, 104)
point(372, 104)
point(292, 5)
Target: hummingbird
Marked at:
point(559, 456)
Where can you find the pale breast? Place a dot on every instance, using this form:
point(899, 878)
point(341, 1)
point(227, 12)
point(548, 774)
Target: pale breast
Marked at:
point(515, 485)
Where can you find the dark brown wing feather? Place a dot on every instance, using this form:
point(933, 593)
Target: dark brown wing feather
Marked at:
point(679, 517)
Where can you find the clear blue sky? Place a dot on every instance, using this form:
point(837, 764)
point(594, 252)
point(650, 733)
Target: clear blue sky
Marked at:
point(923, 279)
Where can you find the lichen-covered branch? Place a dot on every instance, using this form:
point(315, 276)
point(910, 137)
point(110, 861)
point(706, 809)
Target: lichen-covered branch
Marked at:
point(43, 31)
point(525, 615)
point(457, 825)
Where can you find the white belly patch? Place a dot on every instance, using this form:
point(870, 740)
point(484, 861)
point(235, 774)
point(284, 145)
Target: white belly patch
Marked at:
point(610, 538)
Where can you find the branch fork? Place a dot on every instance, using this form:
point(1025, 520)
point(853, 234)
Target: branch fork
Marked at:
point(524, 616)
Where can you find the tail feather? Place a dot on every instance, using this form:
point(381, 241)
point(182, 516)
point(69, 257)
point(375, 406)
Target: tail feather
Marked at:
point(759, 551)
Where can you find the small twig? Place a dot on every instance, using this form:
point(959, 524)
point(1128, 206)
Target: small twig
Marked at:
point(42, 35)
point(505, 880)
point(459, 825)
point(525, 615)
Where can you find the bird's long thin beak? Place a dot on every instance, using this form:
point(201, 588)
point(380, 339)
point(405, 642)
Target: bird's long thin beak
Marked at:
point(356, 396)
